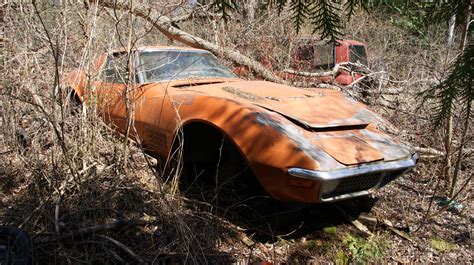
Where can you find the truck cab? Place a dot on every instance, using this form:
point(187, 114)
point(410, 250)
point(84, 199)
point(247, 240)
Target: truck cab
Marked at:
point(312, 55)
point(309, 54)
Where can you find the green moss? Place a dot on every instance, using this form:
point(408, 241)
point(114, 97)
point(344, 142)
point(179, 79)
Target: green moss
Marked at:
point(341, 258)
point(366, 250)
point(330, 230)
point(318, 246)
point(442, 246)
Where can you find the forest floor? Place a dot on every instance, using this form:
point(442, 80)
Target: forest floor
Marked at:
point(395, 217)
point(104, 214)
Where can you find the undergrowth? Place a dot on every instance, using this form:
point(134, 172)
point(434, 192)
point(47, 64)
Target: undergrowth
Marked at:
point(62, 170)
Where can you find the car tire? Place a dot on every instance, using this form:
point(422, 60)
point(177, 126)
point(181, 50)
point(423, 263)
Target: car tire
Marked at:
point(15, 246)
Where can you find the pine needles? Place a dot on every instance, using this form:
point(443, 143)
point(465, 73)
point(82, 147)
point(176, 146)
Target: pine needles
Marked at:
point(323, 15)
point(455, 90)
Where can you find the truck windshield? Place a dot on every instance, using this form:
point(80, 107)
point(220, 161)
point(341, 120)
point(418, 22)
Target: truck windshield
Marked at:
point(358, 54)
point(163, 65)
point(312, 55)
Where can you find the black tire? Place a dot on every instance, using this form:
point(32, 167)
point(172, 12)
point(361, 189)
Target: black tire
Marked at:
point(15, 246)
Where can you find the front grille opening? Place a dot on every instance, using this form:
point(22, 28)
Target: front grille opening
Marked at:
point(355, 184)
point(389, 176)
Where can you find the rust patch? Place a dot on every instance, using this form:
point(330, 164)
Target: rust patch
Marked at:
point(301, 142)
point(242, 94)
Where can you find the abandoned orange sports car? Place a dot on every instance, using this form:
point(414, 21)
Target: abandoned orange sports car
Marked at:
point(297, 145)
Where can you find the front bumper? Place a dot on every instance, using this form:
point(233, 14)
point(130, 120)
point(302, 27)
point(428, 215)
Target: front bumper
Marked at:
point(355, 181)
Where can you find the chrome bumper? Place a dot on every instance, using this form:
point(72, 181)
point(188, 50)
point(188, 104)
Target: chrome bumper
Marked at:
point(355, 181)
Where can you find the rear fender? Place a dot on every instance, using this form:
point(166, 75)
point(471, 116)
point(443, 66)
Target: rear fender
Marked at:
point(77, 79)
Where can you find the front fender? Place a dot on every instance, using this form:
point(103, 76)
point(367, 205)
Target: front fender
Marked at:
point(268, 142)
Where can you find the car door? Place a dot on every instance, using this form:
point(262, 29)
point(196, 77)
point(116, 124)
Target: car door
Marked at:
point(151, 108)
point(116, 93)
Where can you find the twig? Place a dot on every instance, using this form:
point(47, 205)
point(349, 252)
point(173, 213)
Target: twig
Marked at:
point(464, 185)
point(124, 248)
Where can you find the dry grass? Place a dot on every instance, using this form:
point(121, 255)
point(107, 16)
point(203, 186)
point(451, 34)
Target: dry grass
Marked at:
point(62, 170)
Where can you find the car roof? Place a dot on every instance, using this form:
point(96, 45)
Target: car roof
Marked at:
point(160, 48)
point(352, 42)
point(317, 40)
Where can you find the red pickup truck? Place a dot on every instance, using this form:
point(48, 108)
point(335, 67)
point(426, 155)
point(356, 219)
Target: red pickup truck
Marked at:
point(308, 54)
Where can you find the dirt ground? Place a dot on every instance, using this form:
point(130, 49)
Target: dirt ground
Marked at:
point(106, 215)
point(177, 229)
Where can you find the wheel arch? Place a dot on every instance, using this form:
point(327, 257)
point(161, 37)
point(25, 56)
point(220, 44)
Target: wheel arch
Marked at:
point(264, 139)
point(210, 124)
point(213, 142)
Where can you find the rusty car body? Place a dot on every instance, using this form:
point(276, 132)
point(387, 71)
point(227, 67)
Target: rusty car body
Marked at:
point(301, 145)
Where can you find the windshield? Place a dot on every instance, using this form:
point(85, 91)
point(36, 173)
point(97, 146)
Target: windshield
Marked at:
point(358, 54)
point(313, 55)
point(156, 66)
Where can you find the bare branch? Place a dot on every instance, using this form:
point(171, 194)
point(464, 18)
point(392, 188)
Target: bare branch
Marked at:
point(164, 25)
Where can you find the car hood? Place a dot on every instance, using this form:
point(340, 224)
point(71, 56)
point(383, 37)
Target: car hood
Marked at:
point(318, 109)
point(333, 123)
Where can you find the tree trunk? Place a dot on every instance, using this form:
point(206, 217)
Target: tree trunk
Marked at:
point(448, 140)
point(250, 7)
point(163, 24)
point(459, 155)
point(465, 28)
point(457, 167)
point(451, 27)
point(449, 125)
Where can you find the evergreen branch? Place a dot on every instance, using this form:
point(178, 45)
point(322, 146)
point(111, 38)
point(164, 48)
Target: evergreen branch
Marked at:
point(325, 19)
point(455, 90)
point(300, 11)
point(352, 5)
point(223, 6)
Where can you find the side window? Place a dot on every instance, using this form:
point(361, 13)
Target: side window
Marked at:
point(116, 69)
point(305, 53)
point(358, 54)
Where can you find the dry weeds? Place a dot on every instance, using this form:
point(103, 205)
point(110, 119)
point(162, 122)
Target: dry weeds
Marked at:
point(61, 171)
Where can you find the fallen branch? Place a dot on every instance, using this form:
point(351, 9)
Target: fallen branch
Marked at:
point(428, 151)
point(164, 25)
point(340, 67)
point(333, 72)
point(399, 233)
point(431, 153)
point(82, 232)
point(360, 226)
point(374, 221)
